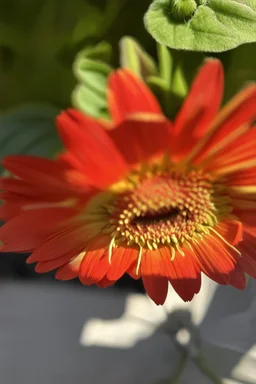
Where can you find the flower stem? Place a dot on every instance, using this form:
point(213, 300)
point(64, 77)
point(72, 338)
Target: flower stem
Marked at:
point(206, 369)
point(175, 378)
point(165, 64)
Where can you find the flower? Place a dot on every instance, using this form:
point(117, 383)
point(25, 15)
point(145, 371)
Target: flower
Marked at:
point(140, 195)
point(209, 340)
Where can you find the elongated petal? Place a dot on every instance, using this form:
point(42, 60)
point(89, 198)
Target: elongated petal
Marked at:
point(104, 283)
point(70, 270)
point(156, 288)
point(247, 217)
point(231, 231)
point(9, 210)
point(241, 155)
point(70, 239)
point(30, 229)
point(127, 95)
point(199, 108)
point(121, 260)
point(141, 139)
point(89, 143)
point(233, 120)
point(95, 264)
point(183, 273)
point(50, 265)
point(244, 177)
point(25, 190)
point(47, 175)
point(237, 278)
point(216, 258)
point(248, 251)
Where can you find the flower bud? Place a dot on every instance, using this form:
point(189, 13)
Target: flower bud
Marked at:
point(181, 10)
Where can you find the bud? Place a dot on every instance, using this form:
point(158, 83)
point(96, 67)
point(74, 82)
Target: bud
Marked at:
point(181, 10)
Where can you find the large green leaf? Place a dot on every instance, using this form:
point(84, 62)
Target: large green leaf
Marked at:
point(29, 130)
point(213, 26)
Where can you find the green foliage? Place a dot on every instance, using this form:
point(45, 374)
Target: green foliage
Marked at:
point(30, 130)
point(211, 26)
point(39, 40)
point(91, 72)
point(134, 57)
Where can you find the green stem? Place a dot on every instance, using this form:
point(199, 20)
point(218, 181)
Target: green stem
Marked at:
point(165, 69)
point(206, 369)
point(179, 369)
point(165, 64)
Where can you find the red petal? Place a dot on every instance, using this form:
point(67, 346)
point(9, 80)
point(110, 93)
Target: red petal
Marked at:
point(132, 271)
point(248, 250)
point(242, 178)
point(231, 231)
point(70, 239)
point(237, 278)
point(25, 191)
point(43, 173)
point(121, 260)
point(241, 155)
point(127, 94)
point(29, 230)
point(86, 139)
point(156, 288)
point(104, 283)
point(140, 140)
point(230, 123)
point(9, 210)
point(47, 266)
point(246, 217)
point(199, 108)
point(215, 258)
point(71, 269)
point(95, 264)
point(183, 273)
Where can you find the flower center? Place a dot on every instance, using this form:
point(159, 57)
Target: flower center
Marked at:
point(159, 205)
point(151, 218)
point(164, 209)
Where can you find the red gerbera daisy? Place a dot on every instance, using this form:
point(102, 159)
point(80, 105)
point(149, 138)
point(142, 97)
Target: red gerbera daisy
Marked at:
point(142, 196)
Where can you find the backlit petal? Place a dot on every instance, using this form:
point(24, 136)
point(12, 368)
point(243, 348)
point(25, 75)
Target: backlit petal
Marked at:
point(30, 229)
point(230, 123)
point(199, 108)
point(86, 139)
point(141, 139)
point(128, 95)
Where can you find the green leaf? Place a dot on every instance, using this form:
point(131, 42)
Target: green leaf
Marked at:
point(90, 94)
point(29, 130)
point(133, 56)
point(213, 26)
point(101, 51)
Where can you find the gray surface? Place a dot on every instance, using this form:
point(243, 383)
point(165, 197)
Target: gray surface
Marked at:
point(40, 328)
point(41, 325)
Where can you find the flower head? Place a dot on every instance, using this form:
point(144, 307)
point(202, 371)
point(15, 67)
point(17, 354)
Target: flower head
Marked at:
point(140, 195)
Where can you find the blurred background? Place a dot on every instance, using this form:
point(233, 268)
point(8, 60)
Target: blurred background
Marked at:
point(54, 54)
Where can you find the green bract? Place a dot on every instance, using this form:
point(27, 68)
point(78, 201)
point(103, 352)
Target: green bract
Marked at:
point(134, 57)
point(91, 71)
point(213, 25)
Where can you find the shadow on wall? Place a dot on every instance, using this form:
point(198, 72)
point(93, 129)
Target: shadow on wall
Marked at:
point(41, 325)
